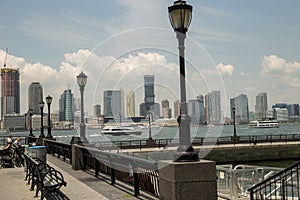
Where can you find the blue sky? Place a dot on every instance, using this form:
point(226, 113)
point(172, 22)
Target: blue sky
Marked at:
point(232, 46)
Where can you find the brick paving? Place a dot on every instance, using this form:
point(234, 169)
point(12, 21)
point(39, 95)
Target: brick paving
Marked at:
point(80, 185)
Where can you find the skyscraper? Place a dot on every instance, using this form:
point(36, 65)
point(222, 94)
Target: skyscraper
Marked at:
point(112, 104)
point(35, 96)
point(66, 106)
point(130, 104)
point(10, 91)
point(214, 107)
point(240, 103)
point(176, 109)
point(196, 110)
point(149, 98)
point(261, 106)
point(97, 110)
point(166, 110)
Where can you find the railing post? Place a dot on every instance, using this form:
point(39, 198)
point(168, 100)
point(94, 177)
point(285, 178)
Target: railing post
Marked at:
point(251, 195)
point(96, 166)
point(233, 183)
point(112, 176)
point(136, 181)
point(283, 189)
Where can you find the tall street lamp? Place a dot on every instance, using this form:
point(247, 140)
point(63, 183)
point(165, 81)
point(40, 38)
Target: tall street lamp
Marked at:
point(81, 80)
point(41, 104)
point(30, 111)
point(234, 127)
point(180, 15)
point(49, 101)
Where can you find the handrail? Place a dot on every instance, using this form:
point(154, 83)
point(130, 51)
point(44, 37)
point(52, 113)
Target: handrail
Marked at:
point(284, 181)
point(141, 174)
point(59, 148)
point(243, 139)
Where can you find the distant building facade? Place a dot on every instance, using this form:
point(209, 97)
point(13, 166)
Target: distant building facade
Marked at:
point(196, 110)
point(149, 98)
point(166, 110)
point(240, 103)
point(97, 110)
point(66, 106)
point(176, 109)
point(130, 100)
point(213, 108)
point(10, 91)
point(261, 106)
point(112, 104)
point(35, 96)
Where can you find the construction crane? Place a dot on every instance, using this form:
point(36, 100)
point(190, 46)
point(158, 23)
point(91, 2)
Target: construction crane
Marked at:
point(4, 65)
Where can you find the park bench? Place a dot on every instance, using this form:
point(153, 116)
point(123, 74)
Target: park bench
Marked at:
point(46, 179)
point(51, 182)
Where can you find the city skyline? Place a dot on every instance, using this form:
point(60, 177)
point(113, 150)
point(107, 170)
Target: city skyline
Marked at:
point(236, 47)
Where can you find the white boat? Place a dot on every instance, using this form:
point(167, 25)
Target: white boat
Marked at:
point(121, 130)
point(264, 124)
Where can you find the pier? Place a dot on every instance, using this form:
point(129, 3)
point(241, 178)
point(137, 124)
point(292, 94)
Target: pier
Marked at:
point(88, 181)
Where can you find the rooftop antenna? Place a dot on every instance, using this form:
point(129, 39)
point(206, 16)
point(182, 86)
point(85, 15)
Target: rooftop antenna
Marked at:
point(5, 58)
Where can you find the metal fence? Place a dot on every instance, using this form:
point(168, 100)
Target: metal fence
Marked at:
point(233, 183)
point(283, 185)
point(161, 143)
point(139, 173)
point(59, 149)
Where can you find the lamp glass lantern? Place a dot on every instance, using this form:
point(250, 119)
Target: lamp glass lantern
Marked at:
point(41, 104)
point(81, 79)
point(180, 15)
point(49, 99)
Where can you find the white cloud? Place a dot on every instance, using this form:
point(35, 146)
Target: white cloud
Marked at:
point(273, 65)
point(245, 74)
point(225, 69)
point(103, 73)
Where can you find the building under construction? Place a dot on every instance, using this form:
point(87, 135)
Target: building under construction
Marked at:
point(10, 91)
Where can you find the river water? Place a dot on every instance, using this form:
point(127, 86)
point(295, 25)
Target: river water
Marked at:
point(95, 135)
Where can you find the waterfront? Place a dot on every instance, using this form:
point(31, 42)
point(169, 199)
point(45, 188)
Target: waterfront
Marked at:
point(95, 135)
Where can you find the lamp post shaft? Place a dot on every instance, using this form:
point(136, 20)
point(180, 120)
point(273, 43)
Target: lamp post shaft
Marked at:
point(49, 135)
point(234, 128)
point(30, 124)
point(184, 129)
point(42, 126)
point(82, 125)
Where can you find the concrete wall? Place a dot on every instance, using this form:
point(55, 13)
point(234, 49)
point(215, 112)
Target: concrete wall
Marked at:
point(254, 153)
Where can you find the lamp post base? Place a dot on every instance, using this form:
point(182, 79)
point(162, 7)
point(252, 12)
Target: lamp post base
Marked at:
point(150, 142)
point(49, 137)
point(185, 154)
point(79, 140)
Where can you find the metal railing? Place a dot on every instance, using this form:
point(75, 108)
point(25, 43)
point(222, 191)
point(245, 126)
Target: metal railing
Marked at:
point(283, 185)
point(161, 143)
point(233, 183)
point(59, 149)
point(139, 173)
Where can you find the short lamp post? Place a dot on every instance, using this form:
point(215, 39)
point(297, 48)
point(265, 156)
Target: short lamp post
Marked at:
point(150, 121)
point(180, 15)
point(41, 104)
point(30, 111)
point(234, 127)
point(81, 80)
point(150, 142)
point(49, 101)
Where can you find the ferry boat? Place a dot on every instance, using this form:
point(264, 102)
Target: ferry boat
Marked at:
point(264, 124)
point(121, 130)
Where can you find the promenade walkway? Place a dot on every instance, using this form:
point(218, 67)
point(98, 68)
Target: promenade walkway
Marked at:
point(80, 185)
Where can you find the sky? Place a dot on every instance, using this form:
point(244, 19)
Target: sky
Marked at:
point(232, 46)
